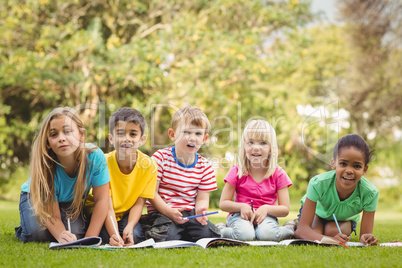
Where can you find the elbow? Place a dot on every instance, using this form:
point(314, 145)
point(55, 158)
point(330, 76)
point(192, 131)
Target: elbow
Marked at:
point(221, 206)
point(286, 211)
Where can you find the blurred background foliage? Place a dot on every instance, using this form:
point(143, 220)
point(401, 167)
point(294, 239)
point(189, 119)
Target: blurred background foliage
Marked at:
point(235, 59)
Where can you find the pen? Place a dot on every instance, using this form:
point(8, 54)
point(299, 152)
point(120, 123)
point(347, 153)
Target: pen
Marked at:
point(69, 225)
point(252, 207)
point(200, 215)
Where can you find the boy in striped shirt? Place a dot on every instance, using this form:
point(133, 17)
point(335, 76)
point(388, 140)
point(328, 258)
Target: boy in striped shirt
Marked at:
point(184, 181)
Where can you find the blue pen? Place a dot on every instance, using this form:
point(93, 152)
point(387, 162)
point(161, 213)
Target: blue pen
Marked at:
point(337, 225)
point(200, 215)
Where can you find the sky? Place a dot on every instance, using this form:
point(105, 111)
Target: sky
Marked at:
point(326, 6)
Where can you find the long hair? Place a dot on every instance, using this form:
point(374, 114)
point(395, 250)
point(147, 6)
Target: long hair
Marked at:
point(261, 130)
point(43, 167)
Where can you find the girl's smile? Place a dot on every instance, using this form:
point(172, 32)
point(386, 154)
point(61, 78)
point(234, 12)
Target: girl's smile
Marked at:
point(350, 167)
point(257, 151)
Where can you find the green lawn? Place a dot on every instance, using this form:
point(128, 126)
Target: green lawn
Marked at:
point(388, 227)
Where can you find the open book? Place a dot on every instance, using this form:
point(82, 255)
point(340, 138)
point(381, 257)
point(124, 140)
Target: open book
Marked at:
point(203, 243)
point(325, 241)
point(216, 242)
point(92, 241)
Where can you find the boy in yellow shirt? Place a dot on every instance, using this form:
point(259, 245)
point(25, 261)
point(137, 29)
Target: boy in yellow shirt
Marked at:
point(132, 178)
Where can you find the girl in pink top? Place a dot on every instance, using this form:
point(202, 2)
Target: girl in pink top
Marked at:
point(260, 189)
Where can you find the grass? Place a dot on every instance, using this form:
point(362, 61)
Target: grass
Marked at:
point(14, 253)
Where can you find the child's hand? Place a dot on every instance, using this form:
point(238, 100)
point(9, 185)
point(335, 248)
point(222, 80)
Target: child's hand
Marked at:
point(175, 215)
point(66, 237)
point(368, 239)
point(116, 241)
point(342, 238)
point(203, 220)
point(260, 214)
point(128, 237)
point(246, 213)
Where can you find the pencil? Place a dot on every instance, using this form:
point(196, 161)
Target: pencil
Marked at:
point(200, 215)
point(69, 225)
point(252, 206)
point(336, 222)
point(114, 226)
point(339, 229)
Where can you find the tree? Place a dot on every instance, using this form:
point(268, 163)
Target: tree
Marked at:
point(101, 55)
point(373, 33)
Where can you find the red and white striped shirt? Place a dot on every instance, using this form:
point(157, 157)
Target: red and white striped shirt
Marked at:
point(178, 183)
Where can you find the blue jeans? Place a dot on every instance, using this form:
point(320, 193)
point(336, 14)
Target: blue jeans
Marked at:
point(30, 230)
point(267, 230)
point(161, 228)
point(138, 234)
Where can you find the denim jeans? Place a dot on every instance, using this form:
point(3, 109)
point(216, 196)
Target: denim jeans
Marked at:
point(161, 228)
point(30, 229)
point(138, 234)
point(267, 230)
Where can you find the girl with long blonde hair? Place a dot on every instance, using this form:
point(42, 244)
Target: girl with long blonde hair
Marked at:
point(62, 170)
point(259, 187)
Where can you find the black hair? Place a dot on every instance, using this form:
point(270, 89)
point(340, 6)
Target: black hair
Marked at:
point(127, 114)
point(354, 140)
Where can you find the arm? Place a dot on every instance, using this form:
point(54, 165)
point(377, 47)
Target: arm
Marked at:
point(201, 206)
point(366, 229)
point(172, 213)
point(57, 229)
point(133, 218)
point(304, 230)
point(226, 203)
point(281, 210)
point(101, 200)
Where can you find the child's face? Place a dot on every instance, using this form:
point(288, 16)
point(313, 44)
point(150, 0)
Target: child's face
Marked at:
point(64, 136)
point(188, 139)
point(350, 167)
point(126, 138)
point(257, 152)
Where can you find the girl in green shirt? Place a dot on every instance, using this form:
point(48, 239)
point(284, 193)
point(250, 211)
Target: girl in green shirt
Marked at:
point(342, 192)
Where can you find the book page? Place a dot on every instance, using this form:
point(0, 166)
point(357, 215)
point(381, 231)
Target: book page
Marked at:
point(264, 243)
point(391, 244)
point(212, 242)
point(328, 241)
point(355, 244)
point(144, 244)
point(83, 242)
point(175, 244)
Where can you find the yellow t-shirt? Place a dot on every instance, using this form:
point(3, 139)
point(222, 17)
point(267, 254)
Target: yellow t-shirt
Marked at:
point(126, 188)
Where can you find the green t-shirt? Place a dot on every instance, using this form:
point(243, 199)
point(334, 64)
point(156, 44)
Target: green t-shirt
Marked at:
point(321, 189)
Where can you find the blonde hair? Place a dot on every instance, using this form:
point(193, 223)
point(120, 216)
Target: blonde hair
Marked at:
point(261, 130)
point(191, 115)
point(43, 167)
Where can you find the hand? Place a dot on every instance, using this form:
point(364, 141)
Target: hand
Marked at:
point(341, 238)
point(202, 220)
point(175, 215)
point(66, 236)
point(368, 239)
point(246, 213)
point(115, 240)
point(260, 214)
point(128, 236)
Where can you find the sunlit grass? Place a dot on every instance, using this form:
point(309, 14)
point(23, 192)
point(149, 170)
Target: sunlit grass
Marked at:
point(14, 253)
